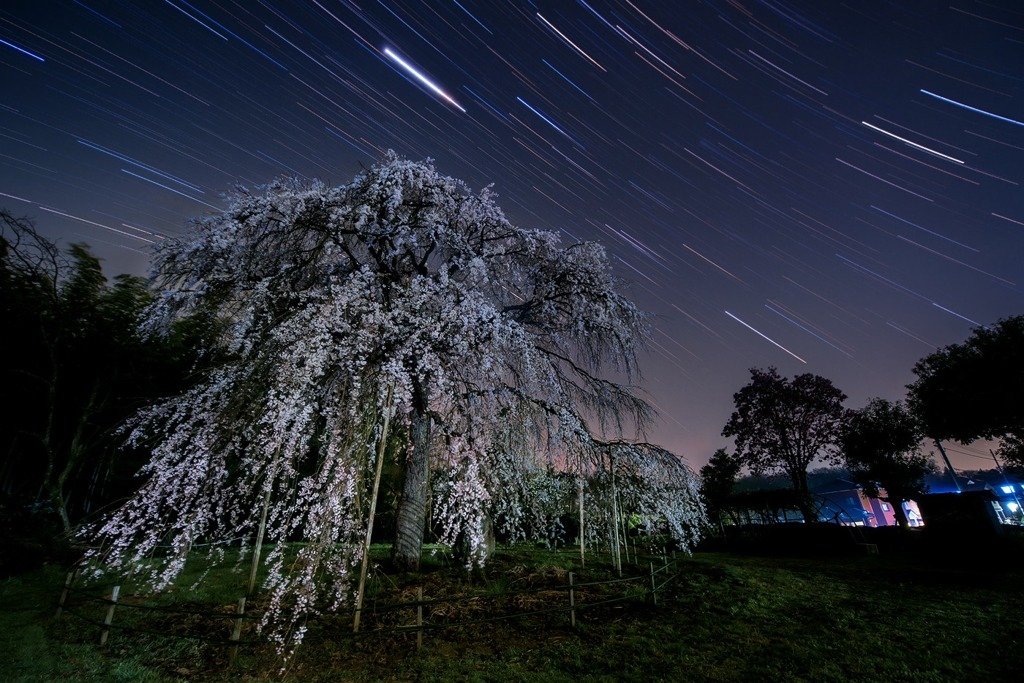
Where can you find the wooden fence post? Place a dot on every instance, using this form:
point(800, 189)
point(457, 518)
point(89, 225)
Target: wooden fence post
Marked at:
point(64, 593)
point(419, 618)
point(110, 615)
point(572, 603)
point(654, 587)
point(236, 633)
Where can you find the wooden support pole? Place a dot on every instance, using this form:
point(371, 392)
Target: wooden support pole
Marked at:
point(107, 620)
point(419, 618)
point(654, 587)
point(616, 543)
point(583, 555)
point(373, 511)
point(572, 603)
point(236, 633)
point(258, 546)
point(625, 536)
point(64, 593)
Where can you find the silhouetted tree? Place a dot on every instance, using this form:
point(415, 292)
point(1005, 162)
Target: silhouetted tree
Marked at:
point(782, 426)
point(717, 481)
point(881, 446)
point(76, 367)
point(975, 389)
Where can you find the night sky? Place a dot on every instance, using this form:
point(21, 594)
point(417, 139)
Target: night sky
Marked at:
point(823, 186)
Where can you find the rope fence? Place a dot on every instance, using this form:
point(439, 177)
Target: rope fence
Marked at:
point(75, 602)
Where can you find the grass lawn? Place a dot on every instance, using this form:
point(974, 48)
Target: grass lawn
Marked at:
point(726, 617)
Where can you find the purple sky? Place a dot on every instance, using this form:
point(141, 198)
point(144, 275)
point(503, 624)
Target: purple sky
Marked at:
point(824, 187)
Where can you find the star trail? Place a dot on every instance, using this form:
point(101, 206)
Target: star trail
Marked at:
point(824, 187)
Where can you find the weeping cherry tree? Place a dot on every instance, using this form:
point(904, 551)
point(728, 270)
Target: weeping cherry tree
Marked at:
point(400, 296)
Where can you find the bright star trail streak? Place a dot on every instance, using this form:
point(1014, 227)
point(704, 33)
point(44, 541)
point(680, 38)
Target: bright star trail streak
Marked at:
point(697, 253)
point(764, 336)
point(649, 51)
point(912, 144)
point(98, 225)
point(22, 50)
point(419, 76)
point(570, 43)
point(546, 119)
point(849, 179)
point(169, 189)
point(195, 19)
point(974, 109)
point(943, 308)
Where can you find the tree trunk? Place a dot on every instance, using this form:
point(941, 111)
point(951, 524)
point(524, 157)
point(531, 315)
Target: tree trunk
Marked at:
point(412, 506)
point(803, 497)
point(463, 550)
point(54, 481)
point(56, 496)
point(899, 513)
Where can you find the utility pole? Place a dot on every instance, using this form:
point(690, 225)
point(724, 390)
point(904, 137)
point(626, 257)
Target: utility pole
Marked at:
point(949, 465)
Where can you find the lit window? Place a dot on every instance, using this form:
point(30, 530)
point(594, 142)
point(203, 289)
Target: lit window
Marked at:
point(885, 506)
point(1008, 489)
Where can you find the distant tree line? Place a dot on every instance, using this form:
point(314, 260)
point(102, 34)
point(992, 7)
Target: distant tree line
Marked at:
point(963, 392)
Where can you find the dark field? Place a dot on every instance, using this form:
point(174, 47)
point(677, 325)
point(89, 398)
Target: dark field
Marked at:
point(745, 614)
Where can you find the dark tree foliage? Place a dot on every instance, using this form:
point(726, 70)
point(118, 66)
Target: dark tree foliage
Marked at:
point(75, 364)
point(782, 426)
point(975, 389)
point(881, 447)
point(764, 505)
point(717, 481)
point(1011, 449)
